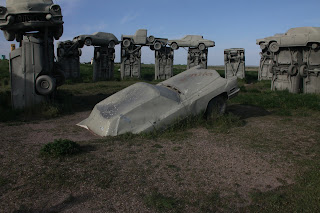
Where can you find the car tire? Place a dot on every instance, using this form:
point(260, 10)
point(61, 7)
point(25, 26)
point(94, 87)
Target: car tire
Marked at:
point(88, 41)
point(112, 44)
point(8, 35)
point(151, 39)
point(157, 45)
point(174, 46)
point(293, 70)
point(274, 47)
point(263, 45)
point(126, 43)
point(45, 85)
point(216, 107)
point(202, 47)
point(314, 46)
point(303, 71)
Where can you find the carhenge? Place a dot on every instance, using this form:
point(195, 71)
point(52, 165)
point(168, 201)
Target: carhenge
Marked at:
point(143, 107)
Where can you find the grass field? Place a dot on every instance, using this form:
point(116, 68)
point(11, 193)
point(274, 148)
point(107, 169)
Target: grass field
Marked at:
point(262, 156)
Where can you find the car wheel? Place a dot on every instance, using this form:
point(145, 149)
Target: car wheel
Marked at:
point(174, 46)
point(274, 47)
point(314, 46)
point(126, 43)
point(112, 44)
point(216, 107)
point(202, 47)
point(157, 45)
point(151, 39)
point(45, 85)
point(303, 71)
point(263, 45)
point(293, 70)
point(9, 36)
point(58, 32)
point(88, 41)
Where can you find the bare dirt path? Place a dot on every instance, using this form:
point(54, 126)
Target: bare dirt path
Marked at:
point(204, 171)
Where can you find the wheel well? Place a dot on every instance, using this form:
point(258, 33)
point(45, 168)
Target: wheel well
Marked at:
point(224, 95)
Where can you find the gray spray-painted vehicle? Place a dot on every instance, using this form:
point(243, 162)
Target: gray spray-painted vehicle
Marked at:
point(140, 38)
point(294, 37)
point(20, 16)
point(191, 41)
point(97, 39)
point(144, 107)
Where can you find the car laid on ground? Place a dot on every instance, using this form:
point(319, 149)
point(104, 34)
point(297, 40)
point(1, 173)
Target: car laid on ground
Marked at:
point(294, 37)
point(23, 16)
point(144, 107)
point(191, 41)
point(97, 39)
point(140, 38)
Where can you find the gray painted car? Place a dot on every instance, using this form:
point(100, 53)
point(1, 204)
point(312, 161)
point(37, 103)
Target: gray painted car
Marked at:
point(140, 38)
point(294, 37)
point(191, 41)
point(144, 107)
point(97, 39)
point(20, 16)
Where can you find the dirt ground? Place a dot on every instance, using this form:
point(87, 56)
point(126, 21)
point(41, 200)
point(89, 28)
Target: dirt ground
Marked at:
point(204, 171)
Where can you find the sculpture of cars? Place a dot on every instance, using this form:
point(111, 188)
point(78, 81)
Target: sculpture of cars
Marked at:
point(20, 16)
point(191, 41)
point(140, 38)
point(97, 39)
point(144, 107)
point(294, 37)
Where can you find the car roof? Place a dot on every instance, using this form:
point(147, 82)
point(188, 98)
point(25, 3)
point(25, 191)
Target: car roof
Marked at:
point(303, 30)
point(191, 81)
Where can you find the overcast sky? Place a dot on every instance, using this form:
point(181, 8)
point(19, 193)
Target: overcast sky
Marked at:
point(231, 24)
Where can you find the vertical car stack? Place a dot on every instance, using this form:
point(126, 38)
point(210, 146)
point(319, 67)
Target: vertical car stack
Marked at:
point(293, 60)
point(234, 62)
point(34, 74)
point(69, 53)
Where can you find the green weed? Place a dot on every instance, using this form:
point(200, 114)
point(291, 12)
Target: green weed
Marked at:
point(60, 148)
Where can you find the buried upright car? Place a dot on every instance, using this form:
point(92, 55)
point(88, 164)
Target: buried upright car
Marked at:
point(144, 107)
point(20, 16)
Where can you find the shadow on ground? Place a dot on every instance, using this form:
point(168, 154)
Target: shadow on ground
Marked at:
point(247, 111)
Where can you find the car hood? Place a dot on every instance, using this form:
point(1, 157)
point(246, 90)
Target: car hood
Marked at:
point(127, 110)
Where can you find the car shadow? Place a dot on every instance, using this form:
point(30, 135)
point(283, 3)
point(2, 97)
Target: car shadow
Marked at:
point(247, 111)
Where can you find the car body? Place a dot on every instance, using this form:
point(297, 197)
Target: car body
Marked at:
point(294, 37)
point(20, 16)
point(141, 38)
point(143, 107)
point(97, 39)
point(191, 41)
